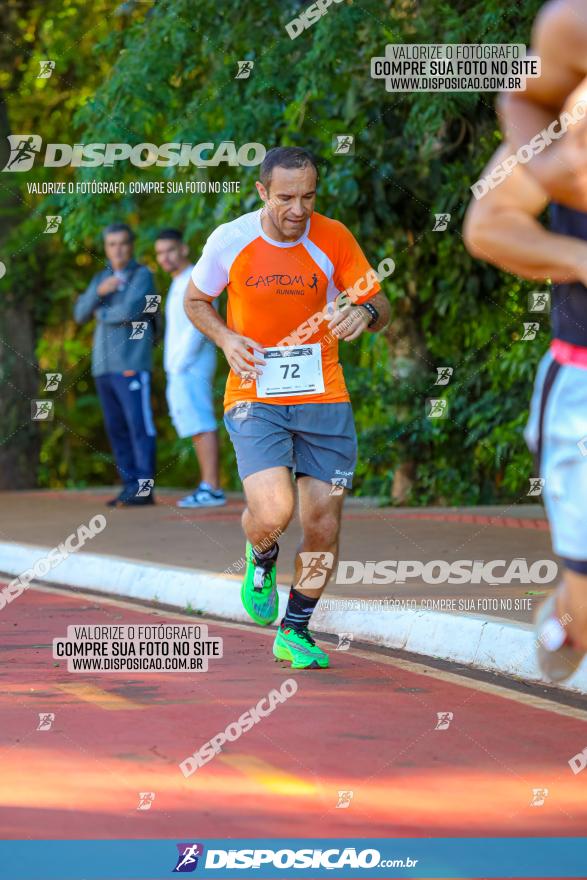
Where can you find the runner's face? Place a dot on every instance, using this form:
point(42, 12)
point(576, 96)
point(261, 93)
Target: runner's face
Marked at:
point(290, 199)
point(118, 248)
point(171, 255)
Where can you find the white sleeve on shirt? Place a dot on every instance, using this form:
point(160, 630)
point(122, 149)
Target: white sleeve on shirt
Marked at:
point(210, 273)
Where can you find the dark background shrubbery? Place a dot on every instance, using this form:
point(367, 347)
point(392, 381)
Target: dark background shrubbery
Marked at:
point(132, 73)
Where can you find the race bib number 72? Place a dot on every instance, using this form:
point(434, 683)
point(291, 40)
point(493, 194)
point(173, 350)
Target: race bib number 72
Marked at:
point(291, 371)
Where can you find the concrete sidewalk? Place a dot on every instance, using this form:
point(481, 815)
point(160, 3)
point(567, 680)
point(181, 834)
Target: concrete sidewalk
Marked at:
point(194, 558)
point(212, 540)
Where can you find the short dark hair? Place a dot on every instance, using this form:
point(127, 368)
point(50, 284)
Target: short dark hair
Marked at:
point(118, 227)
point(285, 157)
point(173, 234)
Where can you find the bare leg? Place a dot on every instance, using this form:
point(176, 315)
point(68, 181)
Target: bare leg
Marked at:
point(320, 515)
point(206, 448)
point(572, 607)
point(270, 506)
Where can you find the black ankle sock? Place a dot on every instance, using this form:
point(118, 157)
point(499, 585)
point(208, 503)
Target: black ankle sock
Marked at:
point(299, 610)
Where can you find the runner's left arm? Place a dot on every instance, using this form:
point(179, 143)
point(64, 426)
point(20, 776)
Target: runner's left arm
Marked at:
point(350, 321)
point(359, 283)
point(381, 303)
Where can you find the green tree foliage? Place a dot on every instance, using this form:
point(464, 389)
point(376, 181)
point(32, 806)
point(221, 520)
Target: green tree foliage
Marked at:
point(166, 73)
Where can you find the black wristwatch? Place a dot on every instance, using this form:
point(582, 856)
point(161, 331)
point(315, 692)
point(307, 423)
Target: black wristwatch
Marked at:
point(372, 311)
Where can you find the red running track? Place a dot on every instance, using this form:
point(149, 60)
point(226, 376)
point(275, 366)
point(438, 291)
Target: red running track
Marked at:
point(366, 725)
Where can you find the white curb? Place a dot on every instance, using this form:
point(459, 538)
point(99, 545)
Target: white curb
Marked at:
point(491, 644)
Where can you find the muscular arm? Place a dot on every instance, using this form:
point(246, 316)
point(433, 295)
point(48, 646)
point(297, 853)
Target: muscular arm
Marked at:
point(559, 38)
point(502, 228)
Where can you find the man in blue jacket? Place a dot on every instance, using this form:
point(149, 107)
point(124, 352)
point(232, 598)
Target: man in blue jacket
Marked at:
point(123, 302)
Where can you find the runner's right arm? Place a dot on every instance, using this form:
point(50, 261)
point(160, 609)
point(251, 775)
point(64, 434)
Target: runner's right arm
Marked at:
point(237, 349)
point(502, 228)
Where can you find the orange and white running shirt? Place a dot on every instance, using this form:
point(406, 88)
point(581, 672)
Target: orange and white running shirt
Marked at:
point(279, 289)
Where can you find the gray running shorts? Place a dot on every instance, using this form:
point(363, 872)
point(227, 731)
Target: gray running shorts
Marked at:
point(313, 439)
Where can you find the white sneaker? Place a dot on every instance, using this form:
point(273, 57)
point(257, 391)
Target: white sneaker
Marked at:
point(204, 496)
point(557, 658)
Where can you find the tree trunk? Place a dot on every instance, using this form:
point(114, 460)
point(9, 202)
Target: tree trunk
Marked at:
point(19, 435)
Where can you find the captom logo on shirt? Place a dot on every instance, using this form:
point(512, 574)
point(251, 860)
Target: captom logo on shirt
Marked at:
point(268, 280)
point(282, 283)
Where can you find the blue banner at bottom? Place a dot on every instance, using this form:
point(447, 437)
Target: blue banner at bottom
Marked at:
point(502, 857)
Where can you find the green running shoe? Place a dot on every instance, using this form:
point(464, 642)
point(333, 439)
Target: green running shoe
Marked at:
point(299, 647)
point(259, 590)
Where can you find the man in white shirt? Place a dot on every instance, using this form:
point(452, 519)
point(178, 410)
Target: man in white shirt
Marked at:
point(190, 362)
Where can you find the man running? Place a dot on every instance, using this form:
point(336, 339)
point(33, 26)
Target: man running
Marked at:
point(502, 227)
point(286, 404)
